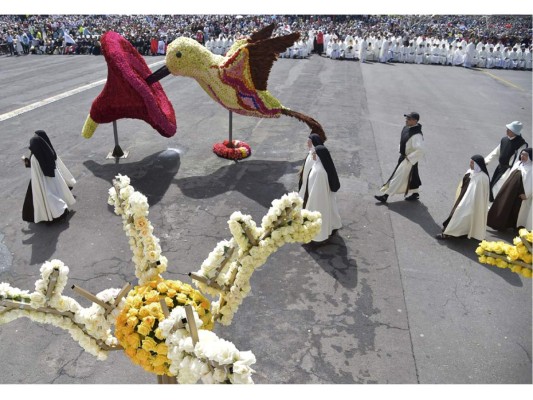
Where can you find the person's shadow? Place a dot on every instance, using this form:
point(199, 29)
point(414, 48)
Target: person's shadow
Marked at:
point(418, 213)
point(151, 176)
point(332, 256)
point(255, 179)
point(44, 238)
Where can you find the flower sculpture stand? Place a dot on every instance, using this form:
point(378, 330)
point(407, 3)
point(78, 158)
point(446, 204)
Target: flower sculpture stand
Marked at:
point(117, 150)
point(516, 257)
point(232, 149)
point(165, 326)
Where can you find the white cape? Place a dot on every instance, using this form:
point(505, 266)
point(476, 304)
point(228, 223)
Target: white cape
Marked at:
point(524, 215)
point(65, 173)
point(51, 195)
point(320, 197)
point(470, 216)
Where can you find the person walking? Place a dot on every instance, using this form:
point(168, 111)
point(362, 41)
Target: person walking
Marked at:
point(512, 205)
point(507, 154)
point(405, 178)
point(63, 170)
point(48, 197)
point(469, 213)
point(318, 185)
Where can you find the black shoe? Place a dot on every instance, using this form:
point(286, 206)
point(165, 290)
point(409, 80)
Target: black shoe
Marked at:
point(441, 236)
point(414, 196)
point(382, 198)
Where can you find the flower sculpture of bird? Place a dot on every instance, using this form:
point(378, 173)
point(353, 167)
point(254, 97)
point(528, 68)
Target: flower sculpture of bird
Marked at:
point(238, 80)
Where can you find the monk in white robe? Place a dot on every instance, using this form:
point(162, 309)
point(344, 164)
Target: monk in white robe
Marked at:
point(470, 55)
point(527, 57)
point(362, 50)
point(419, 58)
point(469, 213)
point(405, 179)
point(482, 59)
point(318, 186)
point(458, 56)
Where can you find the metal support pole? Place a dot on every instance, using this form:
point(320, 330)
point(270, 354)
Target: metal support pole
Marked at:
point(231, 126)
point(117, 151)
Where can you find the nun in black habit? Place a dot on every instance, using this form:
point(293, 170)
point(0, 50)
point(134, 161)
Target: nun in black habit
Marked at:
point(48, 197)
point(63, 170)
point(318, 185)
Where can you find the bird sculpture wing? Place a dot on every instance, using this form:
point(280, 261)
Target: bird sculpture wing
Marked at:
point(263, 53)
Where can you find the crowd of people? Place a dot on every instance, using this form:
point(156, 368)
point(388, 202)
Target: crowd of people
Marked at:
point(492, 41)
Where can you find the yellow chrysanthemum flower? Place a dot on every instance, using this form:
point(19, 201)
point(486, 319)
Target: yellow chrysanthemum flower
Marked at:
point(142, 313)
point(526, 272)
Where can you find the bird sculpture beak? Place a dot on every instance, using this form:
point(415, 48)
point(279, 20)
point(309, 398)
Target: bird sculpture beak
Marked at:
point(157, 75)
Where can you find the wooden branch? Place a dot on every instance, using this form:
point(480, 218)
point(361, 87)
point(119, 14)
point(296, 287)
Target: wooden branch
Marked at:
point(166, 380)
point(221, 304)
point(12, 305)
point(52, 283)
point(92, 298)
point(227, 257)
point(232, 277)
point(502, 257)
point(193, 330)
point(526, 243)
point(164, 306)
point(121, 294)
point(282, 219)
point(203, 279)
point(248, 234)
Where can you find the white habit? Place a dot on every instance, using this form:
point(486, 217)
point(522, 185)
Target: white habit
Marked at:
point(320, 197)
point(51, 195)
point(470, 216)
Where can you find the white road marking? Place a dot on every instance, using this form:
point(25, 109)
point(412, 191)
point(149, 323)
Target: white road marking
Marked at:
point(60, 96)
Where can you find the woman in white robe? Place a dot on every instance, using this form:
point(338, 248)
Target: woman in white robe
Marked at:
point(48, 197)
point(512, 206)
point(318, 186)
point(469, 213)
point(65, 173)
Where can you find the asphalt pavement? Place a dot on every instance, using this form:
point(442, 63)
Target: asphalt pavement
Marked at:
point(382, 302)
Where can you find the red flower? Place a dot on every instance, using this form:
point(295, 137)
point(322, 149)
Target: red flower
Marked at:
point(126, 93)
point(236, 150)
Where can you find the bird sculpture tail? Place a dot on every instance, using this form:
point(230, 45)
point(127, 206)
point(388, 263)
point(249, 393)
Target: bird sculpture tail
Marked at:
point(310, 122)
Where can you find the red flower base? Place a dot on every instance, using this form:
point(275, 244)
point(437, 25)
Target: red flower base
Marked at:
point(236, 150)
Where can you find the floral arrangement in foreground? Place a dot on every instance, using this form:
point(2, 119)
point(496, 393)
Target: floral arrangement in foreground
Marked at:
point(517, 257)
point(165, 326)
point(90, 327)
point(234, 150)
point(227, 270)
